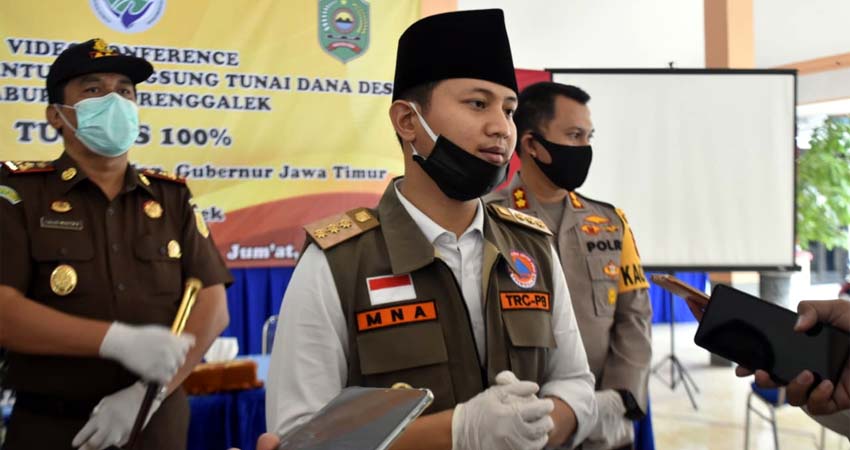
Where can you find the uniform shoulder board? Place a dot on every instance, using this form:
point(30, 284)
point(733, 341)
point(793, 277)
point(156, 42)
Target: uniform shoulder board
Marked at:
point(337, 228)
point(593, 200)
point(514, 216)
point(22, 167)
point(163, 175)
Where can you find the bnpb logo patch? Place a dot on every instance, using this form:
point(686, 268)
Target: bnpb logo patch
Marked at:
point(526, 274)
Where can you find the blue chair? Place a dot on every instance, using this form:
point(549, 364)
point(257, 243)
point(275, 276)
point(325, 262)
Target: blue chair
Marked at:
point(773, 399)
point(269, 329)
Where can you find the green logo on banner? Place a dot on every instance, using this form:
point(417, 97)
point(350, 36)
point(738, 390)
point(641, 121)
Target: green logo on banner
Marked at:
point(344, 28)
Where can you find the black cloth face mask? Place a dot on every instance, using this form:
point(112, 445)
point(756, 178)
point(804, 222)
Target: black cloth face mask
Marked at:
point(459, 174)
point(570, 163)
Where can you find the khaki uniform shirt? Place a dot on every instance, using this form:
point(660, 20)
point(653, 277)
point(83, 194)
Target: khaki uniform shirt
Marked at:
point(607, 286)
point(64, 244)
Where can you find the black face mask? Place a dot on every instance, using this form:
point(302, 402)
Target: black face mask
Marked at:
point(569, 165)
point(459, 174)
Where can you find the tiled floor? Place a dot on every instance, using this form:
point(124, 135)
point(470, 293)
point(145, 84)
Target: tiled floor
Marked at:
point(719, 422)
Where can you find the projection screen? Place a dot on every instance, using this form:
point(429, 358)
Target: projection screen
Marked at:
point(701, 161)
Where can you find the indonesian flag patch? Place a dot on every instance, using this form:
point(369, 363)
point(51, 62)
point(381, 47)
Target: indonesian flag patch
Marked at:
point(390, 288)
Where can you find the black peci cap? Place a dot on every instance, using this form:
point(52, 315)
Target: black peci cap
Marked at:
point(465, 44)
point(90, 57)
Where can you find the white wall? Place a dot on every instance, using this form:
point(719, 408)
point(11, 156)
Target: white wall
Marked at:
point(789, 31)
point(602, 33)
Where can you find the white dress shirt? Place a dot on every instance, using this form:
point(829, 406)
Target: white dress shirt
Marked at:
point(308, 365)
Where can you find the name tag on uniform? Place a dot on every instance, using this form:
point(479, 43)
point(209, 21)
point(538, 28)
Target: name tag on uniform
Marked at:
point(390, 288)
point(525, 300)
point(396, 315)
point(62, 224)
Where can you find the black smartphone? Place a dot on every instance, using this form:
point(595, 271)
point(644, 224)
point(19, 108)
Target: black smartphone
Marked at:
point(760, 335)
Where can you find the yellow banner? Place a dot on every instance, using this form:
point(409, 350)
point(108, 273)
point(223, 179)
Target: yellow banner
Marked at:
point(275, 111)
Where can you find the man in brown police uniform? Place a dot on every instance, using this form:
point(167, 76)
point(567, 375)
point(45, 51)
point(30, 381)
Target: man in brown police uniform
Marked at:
point(597, 251)
point(89, 235)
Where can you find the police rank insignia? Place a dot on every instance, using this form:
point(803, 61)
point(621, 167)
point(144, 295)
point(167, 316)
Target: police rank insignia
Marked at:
point(520, 199)
point(63, 280)
point(68, 174)
point(344, 28)
point(152, 209)
point(60, 206)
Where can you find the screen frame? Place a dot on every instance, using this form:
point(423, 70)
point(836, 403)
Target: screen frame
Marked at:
point(793, 266)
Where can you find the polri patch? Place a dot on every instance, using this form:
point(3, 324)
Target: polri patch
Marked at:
point(391, 316)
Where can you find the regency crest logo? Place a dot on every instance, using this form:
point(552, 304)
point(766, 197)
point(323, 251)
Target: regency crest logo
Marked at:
point(344, 28)
point(128, 16)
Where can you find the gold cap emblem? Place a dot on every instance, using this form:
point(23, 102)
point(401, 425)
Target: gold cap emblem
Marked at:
point(69, 173)
point(153, 209)
point(174, 249)
point(60, 206)
point(63, 280)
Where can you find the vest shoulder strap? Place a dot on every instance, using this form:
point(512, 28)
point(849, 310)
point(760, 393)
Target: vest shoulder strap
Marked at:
point(332, 230)
point(513, 216)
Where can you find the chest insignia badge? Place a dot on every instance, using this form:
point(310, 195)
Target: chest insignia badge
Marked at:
point(152, 209)
point(174, 249)
point(610, 269)
point(63, 280)
point(60, 206)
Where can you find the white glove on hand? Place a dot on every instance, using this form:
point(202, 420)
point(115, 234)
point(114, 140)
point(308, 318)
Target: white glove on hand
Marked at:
point(612, 427)
point(112, 419)
point(507, 416)
point(150, 351)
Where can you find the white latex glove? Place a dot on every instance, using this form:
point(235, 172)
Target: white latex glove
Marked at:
point(612, 427)
point(507, 416)
point(112, 419)
point(150, 351)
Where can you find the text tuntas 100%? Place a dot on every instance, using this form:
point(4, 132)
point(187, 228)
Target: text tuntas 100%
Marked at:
point(198, 137)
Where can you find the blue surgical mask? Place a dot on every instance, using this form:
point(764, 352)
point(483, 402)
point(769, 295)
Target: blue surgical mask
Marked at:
point(107, 125)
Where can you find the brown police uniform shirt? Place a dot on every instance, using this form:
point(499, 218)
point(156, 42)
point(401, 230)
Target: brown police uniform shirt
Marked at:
point(607, 286)
point(64, 244)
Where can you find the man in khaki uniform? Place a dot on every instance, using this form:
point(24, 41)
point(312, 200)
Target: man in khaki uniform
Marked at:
point(431, 288)
point(597, 251)
point(91, 236)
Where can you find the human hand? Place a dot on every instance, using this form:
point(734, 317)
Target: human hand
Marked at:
point(505, 416)
point(150, 351)
point(112, 419)
point(826, 398)
point(612, 427)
